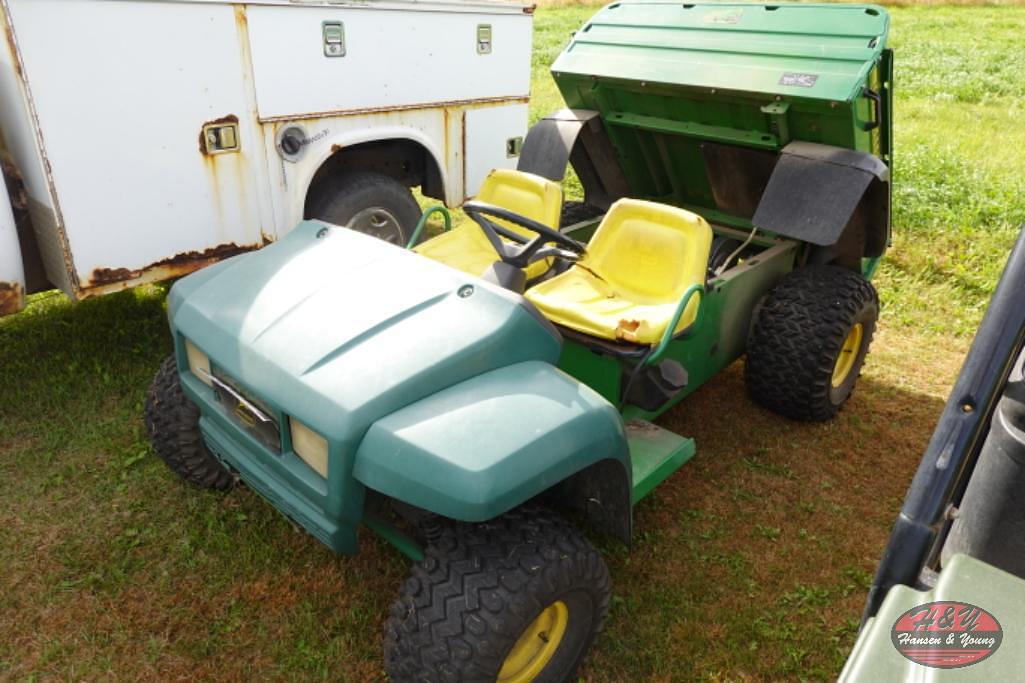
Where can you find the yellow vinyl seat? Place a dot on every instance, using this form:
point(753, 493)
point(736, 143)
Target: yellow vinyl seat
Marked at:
point(467, 248)
point(639, 264)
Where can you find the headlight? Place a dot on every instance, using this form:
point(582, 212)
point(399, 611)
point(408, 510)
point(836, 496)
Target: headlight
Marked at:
point(309, 446)
point(199, 363)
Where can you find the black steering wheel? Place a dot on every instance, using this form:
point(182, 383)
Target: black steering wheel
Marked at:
point(524, 250)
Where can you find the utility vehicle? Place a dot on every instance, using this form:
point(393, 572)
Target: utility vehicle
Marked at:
point(467, 396)
point(960, 535)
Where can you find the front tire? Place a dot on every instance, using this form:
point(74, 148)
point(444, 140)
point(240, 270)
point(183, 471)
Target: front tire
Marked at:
point(172, 421)
point(809, 342)
point(371, 203)
point(519, 598)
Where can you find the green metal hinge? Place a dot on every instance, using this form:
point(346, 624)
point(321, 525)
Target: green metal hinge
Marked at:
point(777, 113)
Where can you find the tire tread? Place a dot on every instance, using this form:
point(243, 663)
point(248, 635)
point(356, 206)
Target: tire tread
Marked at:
point(798, 331)
point(172, 422)
point(484, 579)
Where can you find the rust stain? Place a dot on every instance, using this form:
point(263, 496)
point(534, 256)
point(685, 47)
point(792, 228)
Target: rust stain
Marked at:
point(335, 148)
point(462, 149)
point(444, 115)
point(12, 178)
point(12, 298)
point(475, 103)
point(12, 45)
point(102, 279)
point(241, 20)
point(230, 118)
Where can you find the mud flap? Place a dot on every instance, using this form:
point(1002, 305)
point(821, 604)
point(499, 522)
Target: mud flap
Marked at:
point(577, 137)
point(855, 183)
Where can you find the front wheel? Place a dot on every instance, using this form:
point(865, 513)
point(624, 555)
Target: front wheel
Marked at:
point(809, 342)
point(172, 421)
point(515, 599)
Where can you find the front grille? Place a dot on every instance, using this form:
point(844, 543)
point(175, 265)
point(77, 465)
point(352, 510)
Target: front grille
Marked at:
point(247, 411)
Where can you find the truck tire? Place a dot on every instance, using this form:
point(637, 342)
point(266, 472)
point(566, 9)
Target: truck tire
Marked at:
point(515, 599)
point(809, 342)
point(370, 203)
point(172, 421)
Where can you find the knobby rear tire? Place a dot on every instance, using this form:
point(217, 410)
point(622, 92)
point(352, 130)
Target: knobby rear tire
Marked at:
point(798, 336)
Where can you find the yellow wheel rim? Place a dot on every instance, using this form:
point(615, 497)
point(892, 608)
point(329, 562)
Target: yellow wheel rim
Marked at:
point(536, 645)
point(848, 354)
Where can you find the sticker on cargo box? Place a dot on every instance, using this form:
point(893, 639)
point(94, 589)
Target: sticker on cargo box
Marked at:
point(798, 80)
point(723, 16)
point(946, 634)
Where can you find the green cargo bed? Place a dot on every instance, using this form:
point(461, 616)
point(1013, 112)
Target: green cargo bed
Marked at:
point(698, 100)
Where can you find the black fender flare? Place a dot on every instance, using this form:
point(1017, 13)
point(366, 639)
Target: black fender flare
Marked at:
point(577, 137)
point(831, 197)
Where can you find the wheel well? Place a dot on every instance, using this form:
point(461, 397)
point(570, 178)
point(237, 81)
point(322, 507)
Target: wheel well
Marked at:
point(407, 161)
point(601, 494)
point(866, 234)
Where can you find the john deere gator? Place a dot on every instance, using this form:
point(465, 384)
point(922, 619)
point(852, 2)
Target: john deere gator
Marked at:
point(479, 398)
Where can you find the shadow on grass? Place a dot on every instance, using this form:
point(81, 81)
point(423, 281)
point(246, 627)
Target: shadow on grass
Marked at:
point(58, 355)
point(755, 558)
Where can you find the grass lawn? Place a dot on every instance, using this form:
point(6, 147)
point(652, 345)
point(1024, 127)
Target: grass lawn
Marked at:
point(752, 562)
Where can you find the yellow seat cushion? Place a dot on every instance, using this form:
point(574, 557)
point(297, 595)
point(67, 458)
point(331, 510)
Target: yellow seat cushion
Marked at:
point(467, 248)
point(640, 262)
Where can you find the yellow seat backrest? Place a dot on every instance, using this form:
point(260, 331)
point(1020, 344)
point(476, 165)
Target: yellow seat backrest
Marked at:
point(527, 194)
point(650, 253)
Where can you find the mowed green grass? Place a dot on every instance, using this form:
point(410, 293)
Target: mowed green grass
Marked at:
point(750, 563)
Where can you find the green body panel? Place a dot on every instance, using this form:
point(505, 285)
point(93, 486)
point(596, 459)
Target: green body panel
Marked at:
point(669, 77)
point(718, 340)
point(481, 447)
point(964, 579)
point(655, 453)
point(338, 330)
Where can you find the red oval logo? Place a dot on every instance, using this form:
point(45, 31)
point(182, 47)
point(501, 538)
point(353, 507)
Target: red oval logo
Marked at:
point(946, 635)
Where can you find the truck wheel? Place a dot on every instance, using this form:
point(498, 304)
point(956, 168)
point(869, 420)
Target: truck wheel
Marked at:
point(172, 421)
point(370, 203)
point(516, 599)
point(809, 342)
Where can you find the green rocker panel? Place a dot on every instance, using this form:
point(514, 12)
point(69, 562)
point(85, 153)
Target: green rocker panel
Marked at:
point(964, 579)
point(477, 449)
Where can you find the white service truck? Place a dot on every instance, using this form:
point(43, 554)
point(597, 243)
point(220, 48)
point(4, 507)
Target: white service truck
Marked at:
point(143, 139)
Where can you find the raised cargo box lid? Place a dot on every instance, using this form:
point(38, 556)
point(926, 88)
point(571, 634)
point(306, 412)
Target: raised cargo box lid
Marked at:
point(813, 51)
point(699, 101)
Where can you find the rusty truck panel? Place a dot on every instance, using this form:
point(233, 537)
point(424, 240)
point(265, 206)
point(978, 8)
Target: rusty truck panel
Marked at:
point(160, 154)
